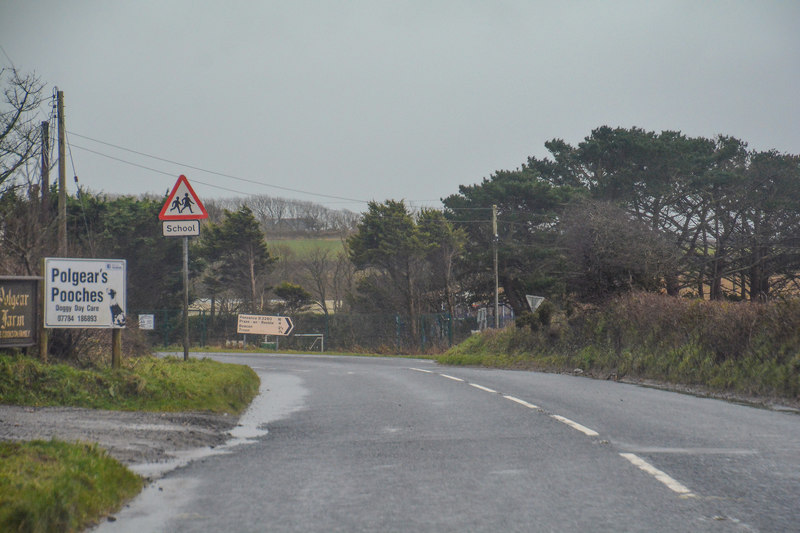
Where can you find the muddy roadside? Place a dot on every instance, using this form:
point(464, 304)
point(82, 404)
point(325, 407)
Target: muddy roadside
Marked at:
point(131, 437)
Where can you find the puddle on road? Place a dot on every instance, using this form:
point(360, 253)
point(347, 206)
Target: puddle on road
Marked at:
point(279, 396)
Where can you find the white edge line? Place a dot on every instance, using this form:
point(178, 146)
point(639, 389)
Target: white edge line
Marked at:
point(451, 377)
point(664, 478)
point(521, 402)
point(574, 425)
point(420, 370)
point(481, 387)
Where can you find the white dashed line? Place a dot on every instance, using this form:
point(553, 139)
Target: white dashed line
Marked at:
point(521, 402)
point(574, 425)
point(481, 387)
point(664, 478)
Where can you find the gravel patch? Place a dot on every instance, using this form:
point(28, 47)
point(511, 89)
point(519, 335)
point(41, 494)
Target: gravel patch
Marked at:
point(131, 437)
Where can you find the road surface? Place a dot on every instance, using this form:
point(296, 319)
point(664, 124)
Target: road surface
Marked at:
point(364, 444)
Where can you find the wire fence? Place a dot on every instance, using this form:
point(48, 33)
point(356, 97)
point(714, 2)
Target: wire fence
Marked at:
point(334, 332)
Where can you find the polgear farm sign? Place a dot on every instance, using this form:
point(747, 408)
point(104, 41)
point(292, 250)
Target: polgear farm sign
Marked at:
point(19, 306)
point(84, 293)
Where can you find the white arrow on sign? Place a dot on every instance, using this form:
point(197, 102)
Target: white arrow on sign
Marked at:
point(264, 325)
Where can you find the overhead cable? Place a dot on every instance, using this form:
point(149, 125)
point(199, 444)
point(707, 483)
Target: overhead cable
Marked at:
point(221, 174)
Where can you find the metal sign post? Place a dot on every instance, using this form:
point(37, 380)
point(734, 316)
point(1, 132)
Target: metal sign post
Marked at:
point(180, 216)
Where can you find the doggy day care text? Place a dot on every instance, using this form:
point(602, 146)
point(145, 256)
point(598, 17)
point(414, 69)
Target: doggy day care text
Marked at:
point(84, 293)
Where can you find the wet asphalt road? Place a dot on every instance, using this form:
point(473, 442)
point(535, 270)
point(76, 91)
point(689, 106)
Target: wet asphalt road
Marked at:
point(361, 444)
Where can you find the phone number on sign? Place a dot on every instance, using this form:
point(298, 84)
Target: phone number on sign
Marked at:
point(84, 319)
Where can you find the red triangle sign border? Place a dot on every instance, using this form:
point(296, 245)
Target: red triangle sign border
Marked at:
point(190, 199)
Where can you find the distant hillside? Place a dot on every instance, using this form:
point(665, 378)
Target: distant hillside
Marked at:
point(284, 218)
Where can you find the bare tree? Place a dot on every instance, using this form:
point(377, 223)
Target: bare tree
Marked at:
point(19, 133)
point(319, 268)
point(24, 238)
point(342, 280)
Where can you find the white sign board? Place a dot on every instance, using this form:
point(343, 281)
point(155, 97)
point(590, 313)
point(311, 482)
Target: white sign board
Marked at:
point(147, 322)
point(264, 325)
point(84, 293)
point(180, 228)
point(534, 301)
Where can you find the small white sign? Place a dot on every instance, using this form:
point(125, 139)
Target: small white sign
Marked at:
point(534, 301)
point(180, 228)
point(84, 293)
point(147, 322)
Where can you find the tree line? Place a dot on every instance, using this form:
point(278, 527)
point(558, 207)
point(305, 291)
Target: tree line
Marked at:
point(624, 210)
point(628, 209)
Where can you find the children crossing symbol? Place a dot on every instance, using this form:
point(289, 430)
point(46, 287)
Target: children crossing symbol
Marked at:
point(183, 203)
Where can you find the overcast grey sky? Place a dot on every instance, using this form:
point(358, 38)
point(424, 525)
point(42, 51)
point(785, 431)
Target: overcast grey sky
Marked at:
point(366, 100)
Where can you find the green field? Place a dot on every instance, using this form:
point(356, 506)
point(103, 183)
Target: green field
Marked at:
point(302, 248)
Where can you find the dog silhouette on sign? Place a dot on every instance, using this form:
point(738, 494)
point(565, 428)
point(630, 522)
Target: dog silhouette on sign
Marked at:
point(117, 314)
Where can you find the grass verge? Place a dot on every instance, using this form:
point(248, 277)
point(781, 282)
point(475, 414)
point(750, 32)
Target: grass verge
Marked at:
point(738, 350)
point(56, 486)
point(143, 384)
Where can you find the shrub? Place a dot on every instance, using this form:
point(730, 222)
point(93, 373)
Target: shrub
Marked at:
point(744, 347)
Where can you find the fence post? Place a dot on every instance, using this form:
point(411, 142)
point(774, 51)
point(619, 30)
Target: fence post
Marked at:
point(422, 332)
point(166, 327)
point(450, 329)
point(327, 329)
point(202, 328)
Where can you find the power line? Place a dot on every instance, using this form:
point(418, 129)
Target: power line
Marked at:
point(151, 169)
point(221, 174)
point(9, 59)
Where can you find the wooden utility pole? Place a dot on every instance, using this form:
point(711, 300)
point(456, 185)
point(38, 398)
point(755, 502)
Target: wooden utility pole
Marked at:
point(44, 335)
point(495, 239)
point(62, 177)
point(43, 216)
point(116, 348)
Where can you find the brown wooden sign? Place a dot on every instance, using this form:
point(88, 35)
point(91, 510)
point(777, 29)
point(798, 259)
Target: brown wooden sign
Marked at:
point(19, 310)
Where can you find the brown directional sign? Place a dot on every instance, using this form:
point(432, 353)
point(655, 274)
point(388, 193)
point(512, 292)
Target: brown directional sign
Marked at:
point(265, 325)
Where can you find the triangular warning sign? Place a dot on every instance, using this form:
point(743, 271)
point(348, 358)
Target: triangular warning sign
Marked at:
point(182, 203)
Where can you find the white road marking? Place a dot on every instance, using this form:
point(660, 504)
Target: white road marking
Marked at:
point(574, 425)
point(661, 476)
point(521, 402)
point(583, 429)
point(688, 451)
point(664, 478)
